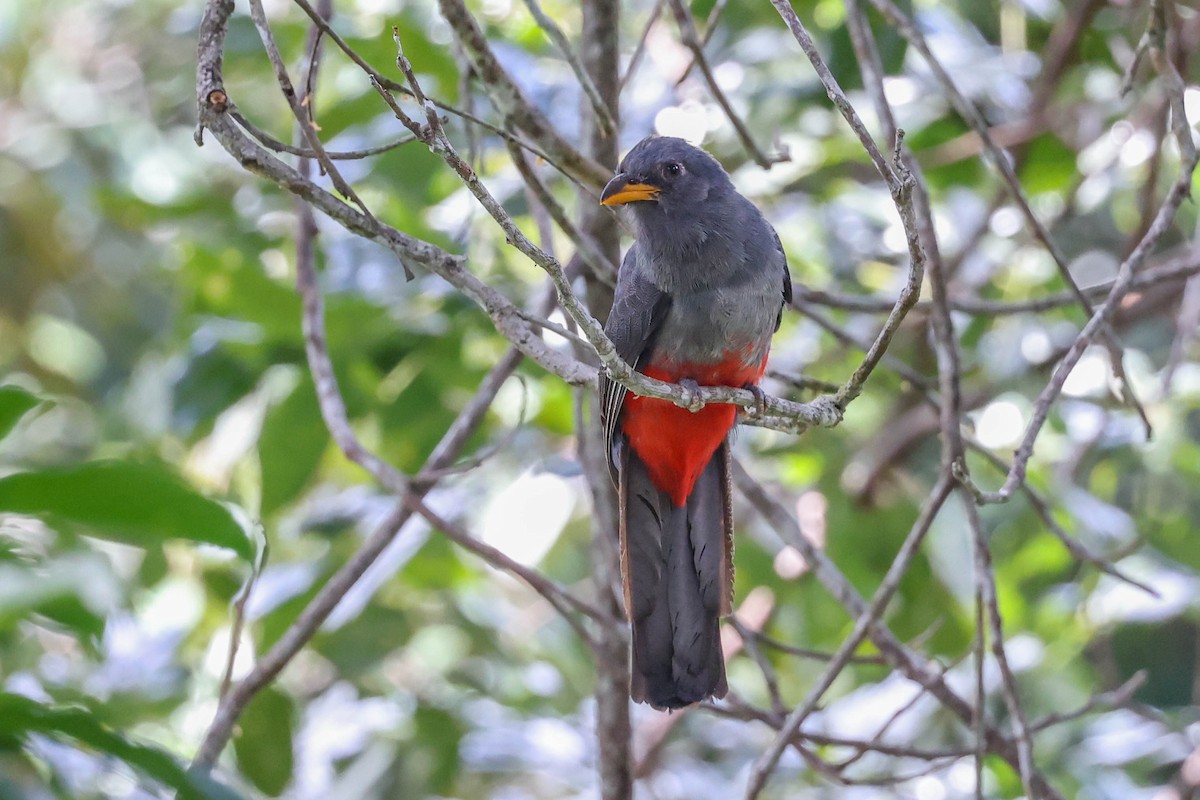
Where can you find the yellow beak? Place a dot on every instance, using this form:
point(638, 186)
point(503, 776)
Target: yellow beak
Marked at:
point(620, 191)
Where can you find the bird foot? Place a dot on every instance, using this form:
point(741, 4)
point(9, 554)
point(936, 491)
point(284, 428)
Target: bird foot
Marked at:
point(691, 395)
point(760, 399)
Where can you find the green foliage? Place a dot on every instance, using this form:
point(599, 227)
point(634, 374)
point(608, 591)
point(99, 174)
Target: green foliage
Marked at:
point(14, 402)
point(156, 396)
point(21, 717)
point(290, 447)
point(264, 745)
point(138, 504)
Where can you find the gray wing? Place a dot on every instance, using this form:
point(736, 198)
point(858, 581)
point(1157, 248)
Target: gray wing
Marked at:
point(638, 310)
point(787, 277)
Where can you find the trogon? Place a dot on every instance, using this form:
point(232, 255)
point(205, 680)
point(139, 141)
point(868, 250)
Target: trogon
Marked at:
point(698, 296)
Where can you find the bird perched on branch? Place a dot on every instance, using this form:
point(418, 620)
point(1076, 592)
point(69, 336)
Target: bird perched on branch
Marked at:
point(698, 296)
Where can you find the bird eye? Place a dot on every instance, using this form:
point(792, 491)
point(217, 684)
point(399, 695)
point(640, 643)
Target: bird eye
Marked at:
point(673, 169)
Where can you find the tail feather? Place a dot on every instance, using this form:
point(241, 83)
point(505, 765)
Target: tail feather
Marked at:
point(676, 567)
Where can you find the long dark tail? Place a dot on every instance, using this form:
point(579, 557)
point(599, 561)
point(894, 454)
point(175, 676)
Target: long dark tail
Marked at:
point(677, 566)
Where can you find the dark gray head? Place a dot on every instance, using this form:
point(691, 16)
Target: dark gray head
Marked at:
point(667, 178)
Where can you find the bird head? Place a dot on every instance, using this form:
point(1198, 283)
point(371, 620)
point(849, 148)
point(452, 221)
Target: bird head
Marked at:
point(665, 176)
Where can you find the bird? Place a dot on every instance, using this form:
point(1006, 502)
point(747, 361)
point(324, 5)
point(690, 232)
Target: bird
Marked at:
point(699, 294)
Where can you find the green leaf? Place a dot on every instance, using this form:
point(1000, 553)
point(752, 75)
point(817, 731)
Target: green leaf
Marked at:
point(1166, 651)
point(440, 735)
point(264, 746)
point(14, 402)
point(20, 717)
point(1049, 165)
point(59, 589)
point(356, 648)
point(293, 439)
point(137, 504)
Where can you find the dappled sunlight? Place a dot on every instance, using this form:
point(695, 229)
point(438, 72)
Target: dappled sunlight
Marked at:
point(524, 519)
point(324, 389)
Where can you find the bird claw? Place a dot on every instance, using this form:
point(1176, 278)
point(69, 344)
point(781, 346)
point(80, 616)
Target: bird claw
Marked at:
point(760, 399)
point(691, 395)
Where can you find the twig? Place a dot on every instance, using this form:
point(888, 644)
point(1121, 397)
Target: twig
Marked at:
point(900, 183)
point(905, 660)
point(329, 395)
point(814, 655)
point(337, 155)
point(602, 269)
point(603, 117)
point(737, 709)
point(289, 93)
point(1003, 165)
point(804, 383)
point(239, 612)
point(780, 414)
point(710, 27)
point(464, 114)
point(1041, 507)
point(1117, 698)
point(893, 178)
point(893, 363)
point(985, 579)
point(750, 642)
point(870, 744)
point(636, 58)
point(297, 635)
point(1128, 269)
point(510, 101)
point(431, 476)
point(316, 350)
point(687, 30)
point(761, 771)
point(1176, 269)
point(562, 600)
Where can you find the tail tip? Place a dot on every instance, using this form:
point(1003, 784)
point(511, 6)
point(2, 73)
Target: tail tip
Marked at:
point(673, 695)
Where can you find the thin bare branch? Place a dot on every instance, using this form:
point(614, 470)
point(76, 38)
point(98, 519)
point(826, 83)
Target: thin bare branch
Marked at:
point(1179, 191)
point(636, 58)
point(563, 600)
point(687, 31)
point(603, 116)
point(1179, 268)
point(464, 114)
point(989, 603)
point(511, 102)
point(907, 662)
point(765, 764)
point(900, 183)
point(710, 27)
point(602, 269)
point(295, 103)
point(337, 155)
point(780, 414)
point(1003, 165)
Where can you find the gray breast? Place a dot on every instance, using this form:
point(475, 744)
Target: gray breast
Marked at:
point(703, 326)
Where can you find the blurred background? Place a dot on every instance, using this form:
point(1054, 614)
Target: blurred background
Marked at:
point(149, 325)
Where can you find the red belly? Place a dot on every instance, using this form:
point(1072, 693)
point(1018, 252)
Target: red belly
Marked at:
point(673, 443)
